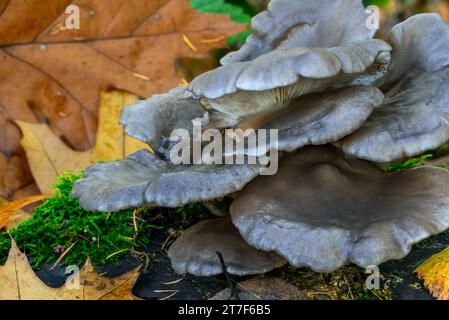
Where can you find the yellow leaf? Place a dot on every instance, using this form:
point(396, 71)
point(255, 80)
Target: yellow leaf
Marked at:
point(435, 274)
point(19, 282)
point(49, 157)
point(9, 211)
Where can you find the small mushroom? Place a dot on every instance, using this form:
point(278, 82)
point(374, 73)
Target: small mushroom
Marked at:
point(322, 210)
point(292, 24)
point(236, 92)
point(143, 178)
point(152, 121)
point(319, 118)
point(415, 114)
point(195, 251)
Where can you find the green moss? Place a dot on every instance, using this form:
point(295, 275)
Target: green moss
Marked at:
point(409, 164)
point(60, 223)
point(414, 163)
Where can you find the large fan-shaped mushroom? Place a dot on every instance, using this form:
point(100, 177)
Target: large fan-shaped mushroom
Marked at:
point(236, 92)
point(323, 210)
point(310, 70)
point(318, 119)
point(143, 178)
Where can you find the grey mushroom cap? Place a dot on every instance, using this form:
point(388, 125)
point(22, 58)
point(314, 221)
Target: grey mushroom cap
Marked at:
point(415, 115)
point(143, 178)
point(153, 121)
point(195, 251)
point(319, 118)
point(236, 92)
point(322, 210)
point(303, 23)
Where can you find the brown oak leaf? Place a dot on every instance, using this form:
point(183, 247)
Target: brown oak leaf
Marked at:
point(51, 74)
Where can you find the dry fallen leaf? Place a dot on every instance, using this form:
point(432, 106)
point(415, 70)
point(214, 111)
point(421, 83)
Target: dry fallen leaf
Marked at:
point(10, 211)
point(54, 75)
point(435, 274)
point(49, 157)
point(19, 282)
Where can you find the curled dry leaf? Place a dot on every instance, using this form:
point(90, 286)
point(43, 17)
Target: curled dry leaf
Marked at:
point(19, 282)
point(53, 74)
point(435, 274)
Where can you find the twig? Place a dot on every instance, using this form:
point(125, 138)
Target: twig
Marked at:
point(189, 43)
point(147, 258)
point(234, 290)
point(313, 294)
point(170, 295)
point(140, 76)
point(373, 292)
point(116, 253)
point(171, 235)
point(61, 225)
point(214, 40)
point(57, 262)
point(246, 289)
point(135, 222)
point(349, 288)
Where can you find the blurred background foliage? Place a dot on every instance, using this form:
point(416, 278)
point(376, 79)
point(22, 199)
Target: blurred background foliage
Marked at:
point(242, 11)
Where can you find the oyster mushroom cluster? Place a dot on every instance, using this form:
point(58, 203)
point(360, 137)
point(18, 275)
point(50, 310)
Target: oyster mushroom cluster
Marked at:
point(342, 102)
